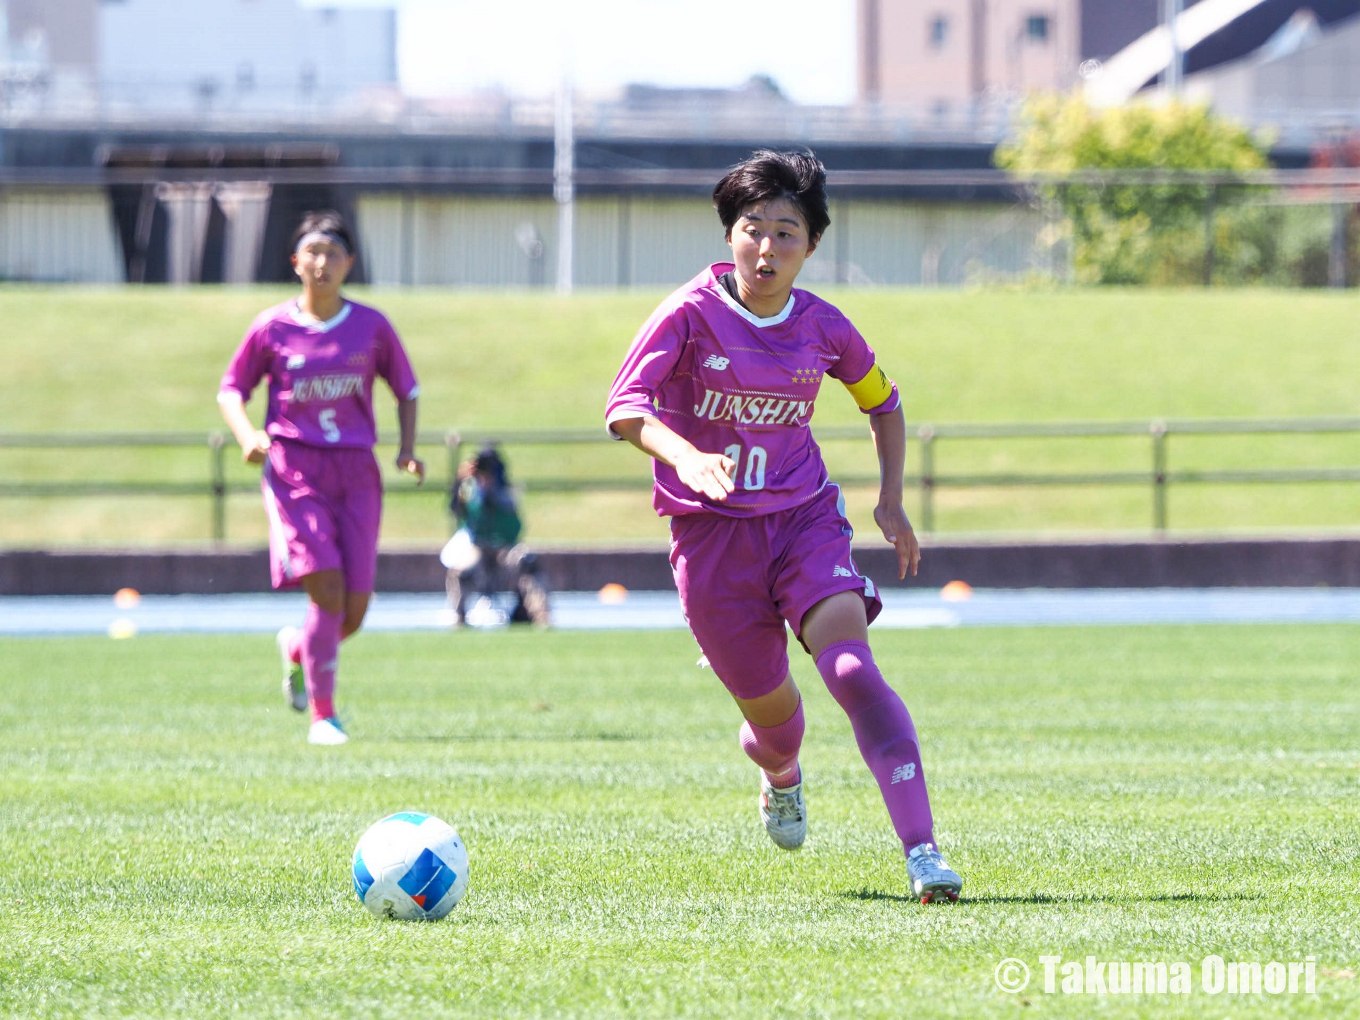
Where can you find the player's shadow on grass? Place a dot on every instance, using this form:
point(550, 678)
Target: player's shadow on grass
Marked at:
point(1042, 899)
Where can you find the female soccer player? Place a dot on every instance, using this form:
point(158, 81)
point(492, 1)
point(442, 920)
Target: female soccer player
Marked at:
point(719, 387)
point(322, 488)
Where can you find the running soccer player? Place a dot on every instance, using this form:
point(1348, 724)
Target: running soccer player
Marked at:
point(322, 487)
point(719, 388)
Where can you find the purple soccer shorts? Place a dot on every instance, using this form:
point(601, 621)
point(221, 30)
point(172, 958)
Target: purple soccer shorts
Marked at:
point(742, 578)
point(324, 509)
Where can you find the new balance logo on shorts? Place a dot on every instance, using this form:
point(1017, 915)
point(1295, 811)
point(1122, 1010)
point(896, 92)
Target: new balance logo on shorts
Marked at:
point(842, 572)
point(716, 363)
point(904, 772)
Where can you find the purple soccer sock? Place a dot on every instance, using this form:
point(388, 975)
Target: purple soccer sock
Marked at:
point(775, 749)
point(885, 734)
point(320, 652)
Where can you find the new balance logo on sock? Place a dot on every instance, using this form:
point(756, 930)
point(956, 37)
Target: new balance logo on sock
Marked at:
point(904, 772)
point(842, 572)
point(716, 363)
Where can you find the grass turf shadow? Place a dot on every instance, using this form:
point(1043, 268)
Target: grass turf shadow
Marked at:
point(1045, 899)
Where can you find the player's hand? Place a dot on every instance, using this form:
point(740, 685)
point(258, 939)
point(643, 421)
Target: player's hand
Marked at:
point(412, 466)
point(892, 520)
point(258, 451)
point(709, 474)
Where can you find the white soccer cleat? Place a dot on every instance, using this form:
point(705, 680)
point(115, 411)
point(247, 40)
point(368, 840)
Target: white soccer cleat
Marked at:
point(294, 688)
point(932, 879)
point(784, 814)
point(327, 732)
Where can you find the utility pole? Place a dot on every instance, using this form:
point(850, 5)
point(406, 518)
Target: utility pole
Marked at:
point(1171, 13)
point(977, 52)
point(564, 186)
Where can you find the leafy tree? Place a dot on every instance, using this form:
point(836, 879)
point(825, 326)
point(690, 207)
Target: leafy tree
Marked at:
point(1136, 233)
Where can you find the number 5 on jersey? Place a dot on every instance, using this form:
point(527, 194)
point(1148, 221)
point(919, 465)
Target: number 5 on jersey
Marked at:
point(755, 466)
point(326, 419)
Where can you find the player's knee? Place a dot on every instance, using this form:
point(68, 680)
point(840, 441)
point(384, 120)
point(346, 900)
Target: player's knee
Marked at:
point(328, 592)
point(768, 746)
point(353, 621)
point(851, 676)
point(356, 608)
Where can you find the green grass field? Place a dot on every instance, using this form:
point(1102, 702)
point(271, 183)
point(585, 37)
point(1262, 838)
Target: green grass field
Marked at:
point(173, 848)
point(132, 360)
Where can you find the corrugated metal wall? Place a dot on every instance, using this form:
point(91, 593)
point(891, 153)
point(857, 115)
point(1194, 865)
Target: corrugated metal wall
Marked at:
point(67, 234)
point(61, 235)
point(897, 243)
point(625, 241)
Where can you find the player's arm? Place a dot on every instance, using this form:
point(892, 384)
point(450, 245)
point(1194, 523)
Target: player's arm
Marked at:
point(254, 442)
point(394, 366)
point(406, 451)
point(707, 473)
point(890, 441)
point(877, 396)
point(244, 372)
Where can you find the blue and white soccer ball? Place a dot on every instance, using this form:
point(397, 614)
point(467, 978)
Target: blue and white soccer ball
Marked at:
point(411, 867)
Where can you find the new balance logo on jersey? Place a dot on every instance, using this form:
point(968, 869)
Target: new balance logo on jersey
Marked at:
point(903, 772)
point(716, 363)
point(842, 572)
point(719, 406)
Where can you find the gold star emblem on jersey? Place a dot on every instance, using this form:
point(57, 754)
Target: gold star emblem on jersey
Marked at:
point(806, 375)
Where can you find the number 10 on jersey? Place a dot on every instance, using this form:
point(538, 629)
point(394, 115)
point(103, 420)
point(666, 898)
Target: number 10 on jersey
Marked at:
point(755, 466)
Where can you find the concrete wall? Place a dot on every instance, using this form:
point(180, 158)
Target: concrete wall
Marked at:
point(1248, 563)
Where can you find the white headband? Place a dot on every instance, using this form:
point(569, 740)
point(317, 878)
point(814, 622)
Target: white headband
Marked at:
point(322, 237)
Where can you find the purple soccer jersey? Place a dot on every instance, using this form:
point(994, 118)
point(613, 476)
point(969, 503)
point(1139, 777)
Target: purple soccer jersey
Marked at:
point(321, 374)
point(730, 382)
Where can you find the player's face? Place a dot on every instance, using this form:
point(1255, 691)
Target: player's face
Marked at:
point(770, 243)
point(322, 266)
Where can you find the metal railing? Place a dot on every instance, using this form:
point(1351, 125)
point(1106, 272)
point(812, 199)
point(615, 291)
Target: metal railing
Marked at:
point(927, 478)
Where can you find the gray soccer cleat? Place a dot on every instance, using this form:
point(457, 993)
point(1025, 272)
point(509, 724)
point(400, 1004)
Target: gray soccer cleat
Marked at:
point(931, 878)
point(784, 814)
point(294, 689)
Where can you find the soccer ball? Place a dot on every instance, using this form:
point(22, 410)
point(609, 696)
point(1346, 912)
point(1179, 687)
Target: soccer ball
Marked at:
point(411, 867)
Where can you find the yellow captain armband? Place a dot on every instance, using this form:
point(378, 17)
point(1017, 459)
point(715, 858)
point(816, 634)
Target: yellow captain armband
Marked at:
point(872, 390)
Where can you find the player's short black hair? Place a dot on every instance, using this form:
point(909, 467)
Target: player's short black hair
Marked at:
point(326, 221)
point(765, 175)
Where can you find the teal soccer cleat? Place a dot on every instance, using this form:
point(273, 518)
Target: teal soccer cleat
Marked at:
point(294, 689)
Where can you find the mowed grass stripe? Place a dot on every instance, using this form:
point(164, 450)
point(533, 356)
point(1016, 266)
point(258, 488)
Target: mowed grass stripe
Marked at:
point(173, 847)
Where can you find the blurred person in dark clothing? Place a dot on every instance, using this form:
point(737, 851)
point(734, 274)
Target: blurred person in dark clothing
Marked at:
point(485, 555)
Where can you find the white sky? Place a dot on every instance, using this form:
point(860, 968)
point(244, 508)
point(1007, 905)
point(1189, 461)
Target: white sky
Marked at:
point(454, 46)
